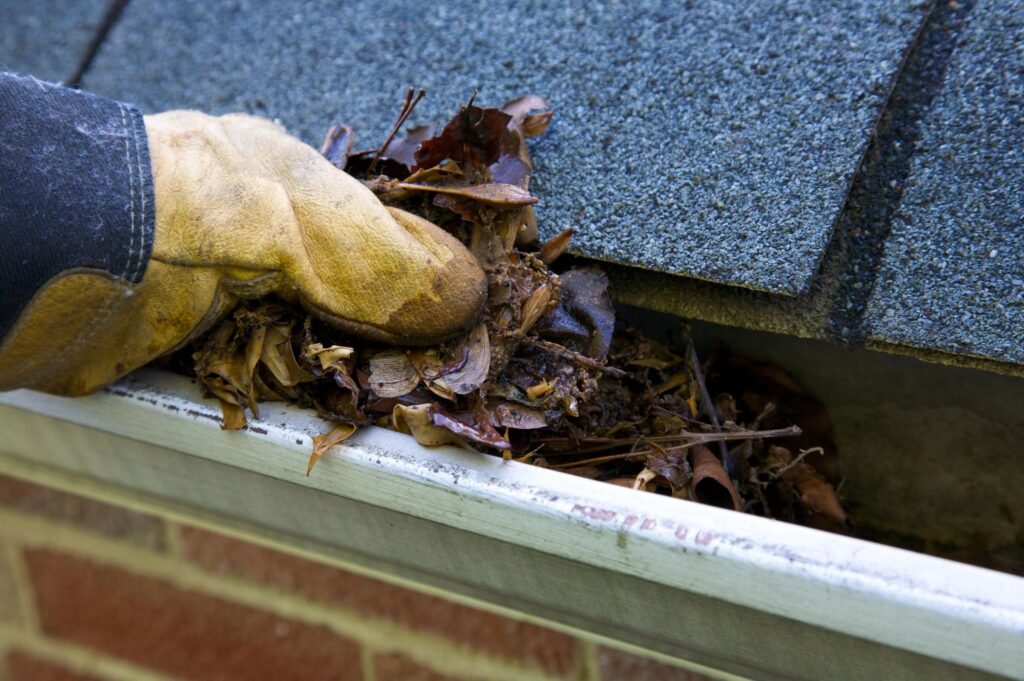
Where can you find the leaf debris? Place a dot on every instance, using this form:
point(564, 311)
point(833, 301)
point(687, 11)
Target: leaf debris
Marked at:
point(548, 375)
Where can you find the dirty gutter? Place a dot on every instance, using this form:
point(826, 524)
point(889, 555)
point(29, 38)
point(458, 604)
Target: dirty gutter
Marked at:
point(736, 593)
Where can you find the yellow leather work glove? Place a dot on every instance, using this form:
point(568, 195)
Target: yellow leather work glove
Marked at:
point(244, 210)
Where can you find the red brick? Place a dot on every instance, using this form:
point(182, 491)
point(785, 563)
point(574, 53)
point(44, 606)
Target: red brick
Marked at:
point(616, 665)
point(397, 667)
point(176, 631)
point(526, 644)
point(96, 516)
point(9, 610)
point(22, 666)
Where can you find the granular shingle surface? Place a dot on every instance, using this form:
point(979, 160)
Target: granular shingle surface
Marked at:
point(952, 278)
point(47, 38)
point(709, 139)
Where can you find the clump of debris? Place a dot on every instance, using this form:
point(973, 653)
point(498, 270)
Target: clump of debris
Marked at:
point(547, 376)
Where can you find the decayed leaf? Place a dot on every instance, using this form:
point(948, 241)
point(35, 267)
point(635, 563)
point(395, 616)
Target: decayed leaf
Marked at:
point(403, 149)
point(584, 311)
point(710, 484)
point(417, 420)
point(278, 357)
point(473, 136)
point(519, 416)
point(476, 351)
point(537, 124)
point(475, 426)
point(234, 416)
point(535, 307)
point(321, 443)
point(329, 357)
point(494, 193)
point(671, 466)
point(555, 246)
point(818, 497)
point(392, 374)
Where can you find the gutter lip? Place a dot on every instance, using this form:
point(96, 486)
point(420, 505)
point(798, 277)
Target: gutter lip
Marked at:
point(942, 609)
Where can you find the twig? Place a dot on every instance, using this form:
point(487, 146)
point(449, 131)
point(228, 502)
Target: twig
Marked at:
point(407, 107)
point(706, 404)
point(696, 439)
point(798, 459)
point(580, 359)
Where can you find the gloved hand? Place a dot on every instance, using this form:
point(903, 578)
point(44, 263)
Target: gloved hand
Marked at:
point(244, 210)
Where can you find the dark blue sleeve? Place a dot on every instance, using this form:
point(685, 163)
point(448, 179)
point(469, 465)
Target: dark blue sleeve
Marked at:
point(76, 189)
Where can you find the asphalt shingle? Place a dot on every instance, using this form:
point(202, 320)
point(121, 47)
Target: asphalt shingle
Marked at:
point(952, 278)
point(47, 38)
point(713, 140)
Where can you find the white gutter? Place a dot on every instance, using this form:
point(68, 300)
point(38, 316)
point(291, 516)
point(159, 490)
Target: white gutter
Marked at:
point(793, 579)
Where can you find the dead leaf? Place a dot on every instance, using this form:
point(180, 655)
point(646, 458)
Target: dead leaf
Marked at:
point(277, 355)
point(555, 246)
point(392, 374)
point(417, 420)
point(519, 416)
point(233, 416)
point(710, 483)
point(537, 124)
point(329, 357)
point(494, 193)
point(473, 136)
point(535, 307)
point(470, 375)
point(321, 443)
point(817, 496)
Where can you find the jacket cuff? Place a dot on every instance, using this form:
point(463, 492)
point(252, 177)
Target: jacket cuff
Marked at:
point(76, 189)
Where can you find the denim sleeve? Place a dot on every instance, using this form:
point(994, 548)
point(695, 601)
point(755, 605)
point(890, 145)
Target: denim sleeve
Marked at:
point(76, 189)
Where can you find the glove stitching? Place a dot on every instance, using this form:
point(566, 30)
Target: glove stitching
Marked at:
point(131, 192)
point(142, 197)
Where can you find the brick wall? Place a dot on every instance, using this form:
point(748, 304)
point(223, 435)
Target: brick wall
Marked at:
point(92, 591)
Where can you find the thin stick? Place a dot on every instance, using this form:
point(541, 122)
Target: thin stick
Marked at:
point(706, 403)
point(580, 359)
point(698, 439)
point(798, 459)
point(407, 107)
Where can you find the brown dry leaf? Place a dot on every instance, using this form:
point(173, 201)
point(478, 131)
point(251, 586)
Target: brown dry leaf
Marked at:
point(555, 246)
point(392, 374)
point(493, 193)
point(234, 416)
point(584, 311)
point(321, 443)
point(535, 307)
point(403, 149)
point(475, 426)
point(468, 377)
point(818, 497)
point(473, 136)
point(513, 415)
point(537, 124)
point(417, 420)
point(710, 483)
point(278, 357)
point(329, 357)
point(672, 466)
